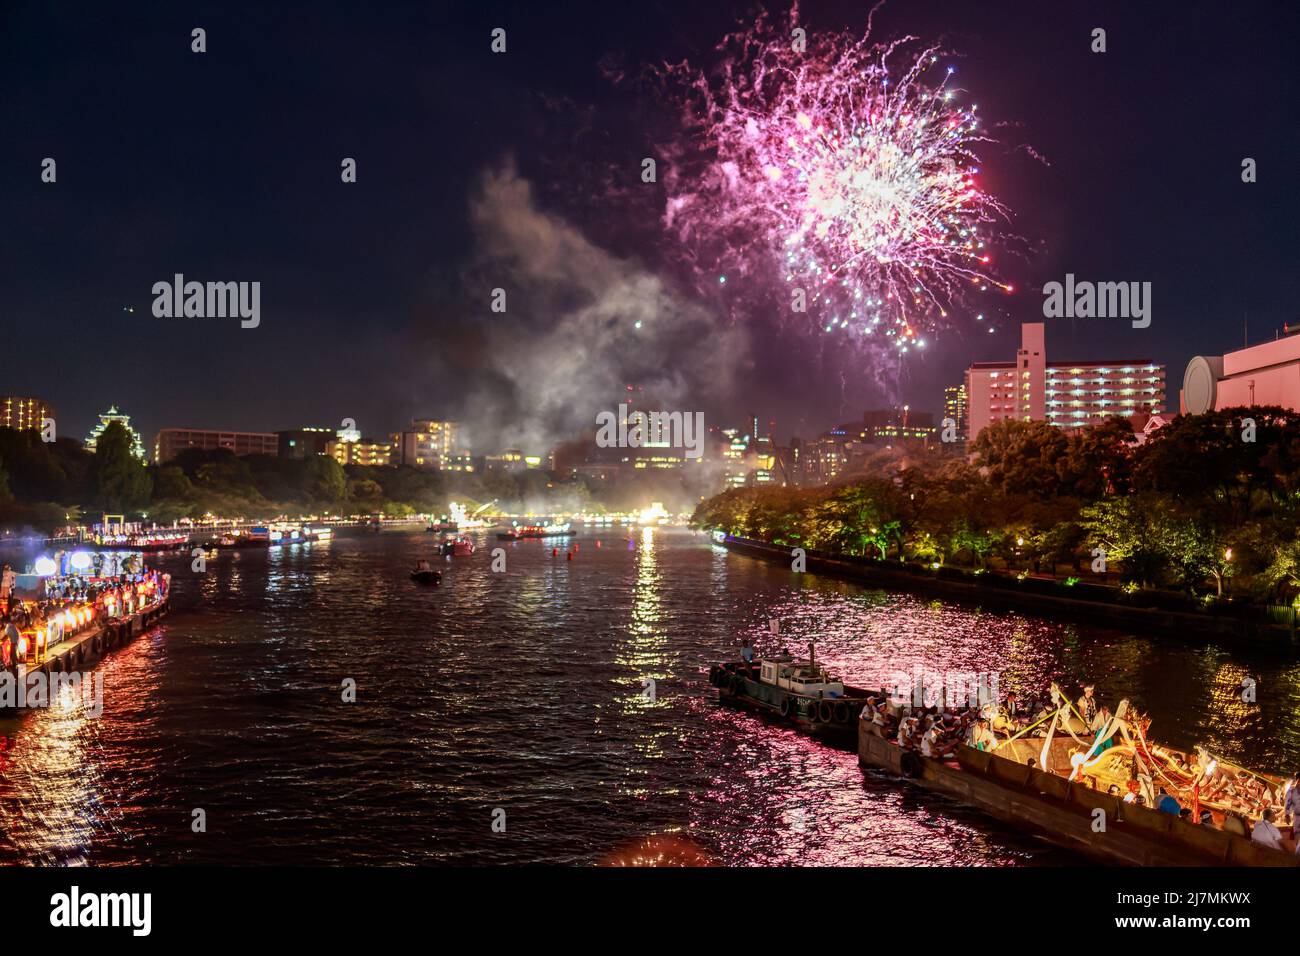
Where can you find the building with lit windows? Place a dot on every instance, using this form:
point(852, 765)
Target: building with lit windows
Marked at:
point(360, 451)
point(954, 407)
point(304, 442)
point(170, 442)
point(1067, 394)
point(20, 412)
point(428, 443)
point(113, 415)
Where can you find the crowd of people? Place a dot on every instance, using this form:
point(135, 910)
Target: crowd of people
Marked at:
point(935, 731)
point(1181, 785)
point(29, 626)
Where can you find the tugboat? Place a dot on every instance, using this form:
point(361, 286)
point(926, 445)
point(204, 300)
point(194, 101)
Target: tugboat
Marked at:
point(801, 692)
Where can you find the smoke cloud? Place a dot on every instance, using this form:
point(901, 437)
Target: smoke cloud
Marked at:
point(581, 325)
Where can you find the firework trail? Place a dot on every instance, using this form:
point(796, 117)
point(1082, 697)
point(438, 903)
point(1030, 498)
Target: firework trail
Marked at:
point(847, 171)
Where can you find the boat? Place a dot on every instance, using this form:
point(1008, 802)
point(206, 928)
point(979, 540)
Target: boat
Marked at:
point(426, 576)
point(536, 531)
point(255, 537)
point(1061, 786)
point(801, 692)
point(459, 547)
point(142, 542)
point(442, 527)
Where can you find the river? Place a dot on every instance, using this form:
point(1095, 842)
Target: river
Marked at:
point(509, 717)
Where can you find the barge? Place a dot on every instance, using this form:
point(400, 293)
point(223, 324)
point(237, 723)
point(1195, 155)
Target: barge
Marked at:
point(1061, 800)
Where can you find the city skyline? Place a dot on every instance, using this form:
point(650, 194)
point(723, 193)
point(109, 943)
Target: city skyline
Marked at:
point(402, 322)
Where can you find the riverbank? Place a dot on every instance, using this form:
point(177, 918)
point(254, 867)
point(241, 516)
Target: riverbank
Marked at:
point(1029, 595)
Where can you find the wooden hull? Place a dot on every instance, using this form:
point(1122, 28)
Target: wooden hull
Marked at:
point(1063, 812)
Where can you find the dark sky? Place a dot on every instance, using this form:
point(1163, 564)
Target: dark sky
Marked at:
point(225, 166)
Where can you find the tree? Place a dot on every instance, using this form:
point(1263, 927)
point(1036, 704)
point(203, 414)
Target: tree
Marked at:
point(1098, 460)
point(1021, 457)
point(118, 480)
point(1128, 530)
point(324, 480)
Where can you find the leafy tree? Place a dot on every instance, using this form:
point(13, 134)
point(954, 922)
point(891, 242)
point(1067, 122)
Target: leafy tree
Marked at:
point(119, 482)
point(324, 480)
point(1021, 458)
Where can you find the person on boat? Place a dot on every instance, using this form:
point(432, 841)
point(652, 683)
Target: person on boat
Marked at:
point(1291, 802)
point(7, 581)
point(1207, 819)
point(981, 738)
point(423, 565)
point(907, 732)
point(1266, 832)
point(930, 739)
point(1168, 803)
point(1087, 705)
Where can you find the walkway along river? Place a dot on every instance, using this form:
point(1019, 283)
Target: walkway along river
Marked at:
point(529, 692)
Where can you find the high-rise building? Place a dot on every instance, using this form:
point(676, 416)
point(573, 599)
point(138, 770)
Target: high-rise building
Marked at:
point(304, 442)
point(954, 407)
point(428, 443)
point(1067, 394)
point(21, 412)
point(170, 442)
point(113, 415)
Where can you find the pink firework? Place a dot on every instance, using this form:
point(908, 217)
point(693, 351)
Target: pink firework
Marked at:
point(846, 170)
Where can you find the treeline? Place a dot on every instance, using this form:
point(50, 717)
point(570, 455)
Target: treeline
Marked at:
point(1203, 500)
point(46, 485)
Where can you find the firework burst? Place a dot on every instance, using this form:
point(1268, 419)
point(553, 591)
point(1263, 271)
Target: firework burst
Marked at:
point(847, 171)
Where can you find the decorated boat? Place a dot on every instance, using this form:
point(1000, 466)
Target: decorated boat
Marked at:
point(1100, 793)
point(537, 531)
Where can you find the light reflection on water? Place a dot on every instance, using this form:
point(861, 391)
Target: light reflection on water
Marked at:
point(528, 691)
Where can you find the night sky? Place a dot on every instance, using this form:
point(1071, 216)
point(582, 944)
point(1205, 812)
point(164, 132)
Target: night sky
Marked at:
point(473, 166)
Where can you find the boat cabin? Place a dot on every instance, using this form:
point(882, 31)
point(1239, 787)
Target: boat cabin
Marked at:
point(800, 677)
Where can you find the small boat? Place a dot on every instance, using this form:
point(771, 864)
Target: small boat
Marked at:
point(459, 547)
point(537, 531)
point(443, 527)
point(426, 576)
point(802, 692)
